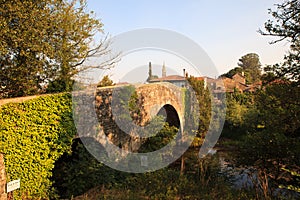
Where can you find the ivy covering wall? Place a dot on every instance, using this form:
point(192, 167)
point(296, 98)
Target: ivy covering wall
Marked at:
point(33, 135)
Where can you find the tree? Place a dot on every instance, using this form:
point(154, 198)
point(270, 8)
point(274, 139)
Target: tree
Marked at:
point(106, 81)
point(250, 64)
point(232, 72)
point(22, 46)
point(286, 26)
point(46, 41)
point(279, 108)
point(272, 140)
point(203, 97)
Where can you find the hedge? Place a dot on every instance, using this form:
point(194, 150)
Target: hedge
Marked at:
point(33, 135)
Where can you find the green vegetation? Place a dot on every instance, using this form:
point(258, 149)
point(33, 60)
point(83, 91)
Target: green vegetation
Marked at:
point(204, 100)
point(265, 125)
point(239, 106)
point(105, 81)
point(268, 133)
point(127, 100)
point(249, 64)
point(76, 173)
point(46, 42)
point(33, 135)
point(268, 126)
point(232, 72)
point(262, 142)
point(160, 140)
point(285, 27)
point(200, 180)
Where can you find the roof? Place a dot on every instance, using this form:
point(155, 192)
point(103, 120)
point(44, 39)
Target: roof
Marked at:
point(279, 81)
point(206, 78)
point(238, 74)
point(169, 78)
point(200, 78)
point(122, 83)
point(231, 84)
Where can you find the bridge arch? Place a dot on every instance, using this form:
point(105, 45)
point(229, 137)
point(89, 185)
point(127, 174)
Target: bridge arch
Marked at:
point(160, 97)
point(171, 115)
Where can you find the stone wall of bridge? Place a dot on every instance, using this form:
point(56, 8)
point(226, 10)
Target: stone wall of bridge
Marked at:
point(99, 120)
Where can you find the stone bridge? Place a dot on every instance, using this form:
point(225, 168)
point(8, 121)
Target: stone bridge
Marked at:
point(123, 115)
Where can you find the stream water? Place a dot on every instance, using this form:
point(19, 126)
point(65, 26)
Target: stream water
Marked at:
point(242, 177)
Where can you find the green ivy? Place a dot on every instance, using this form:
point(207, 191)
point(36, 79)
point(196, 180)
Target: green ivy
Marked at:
point(33, 135)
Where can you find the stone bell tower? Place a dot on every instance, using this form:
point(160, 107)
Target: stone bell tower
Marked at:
point(164, 71)
point(150, 76)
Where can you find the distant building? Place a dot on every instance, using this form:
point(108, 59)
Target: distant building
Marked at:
point(204, 79)
point(236, 83)
point(240, 78)
point(231, 84)
point(122, 83)
point(179, 81)
point(218, 86)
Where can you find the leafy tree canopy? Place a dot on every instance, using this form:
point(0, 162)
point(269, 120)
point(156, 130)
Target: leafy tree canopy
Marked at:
point(232, 72)
point(106, 81)
point(285, 25)
point(203, 97)
point(45, 41)
point(250, 64)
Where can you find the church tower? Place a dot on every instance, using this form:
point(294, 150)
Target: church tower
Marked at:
point(150, 76)
point(150, 70)
point(164, 71)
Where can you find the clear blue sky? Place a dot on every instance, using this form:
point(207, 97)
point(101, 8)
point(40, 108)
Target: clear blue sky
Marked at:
point(226, 30)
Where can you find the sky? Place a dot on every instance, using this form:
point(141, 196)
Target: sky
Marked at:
point(225, 30)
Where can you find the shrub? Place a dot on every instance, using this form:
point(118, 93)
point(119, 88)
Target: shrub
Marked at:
point(33, 135)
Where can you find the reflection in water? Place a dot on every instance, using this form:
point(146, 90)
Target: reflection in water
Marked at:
point(245, 177)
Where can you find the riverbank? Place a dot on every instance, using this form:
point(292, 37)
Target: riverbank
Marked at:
point(198, 179)
point(213, 177)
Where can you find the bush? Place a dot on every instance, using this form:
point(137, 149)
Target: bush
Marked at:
point(33, 135)
point(76, 173)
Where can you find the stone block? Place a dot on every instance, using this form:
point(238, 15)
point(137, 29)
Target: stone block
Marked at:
point(3, 196)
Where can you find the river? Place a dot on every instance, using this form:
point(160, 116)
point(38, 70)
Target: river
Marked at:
point(244, 177)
